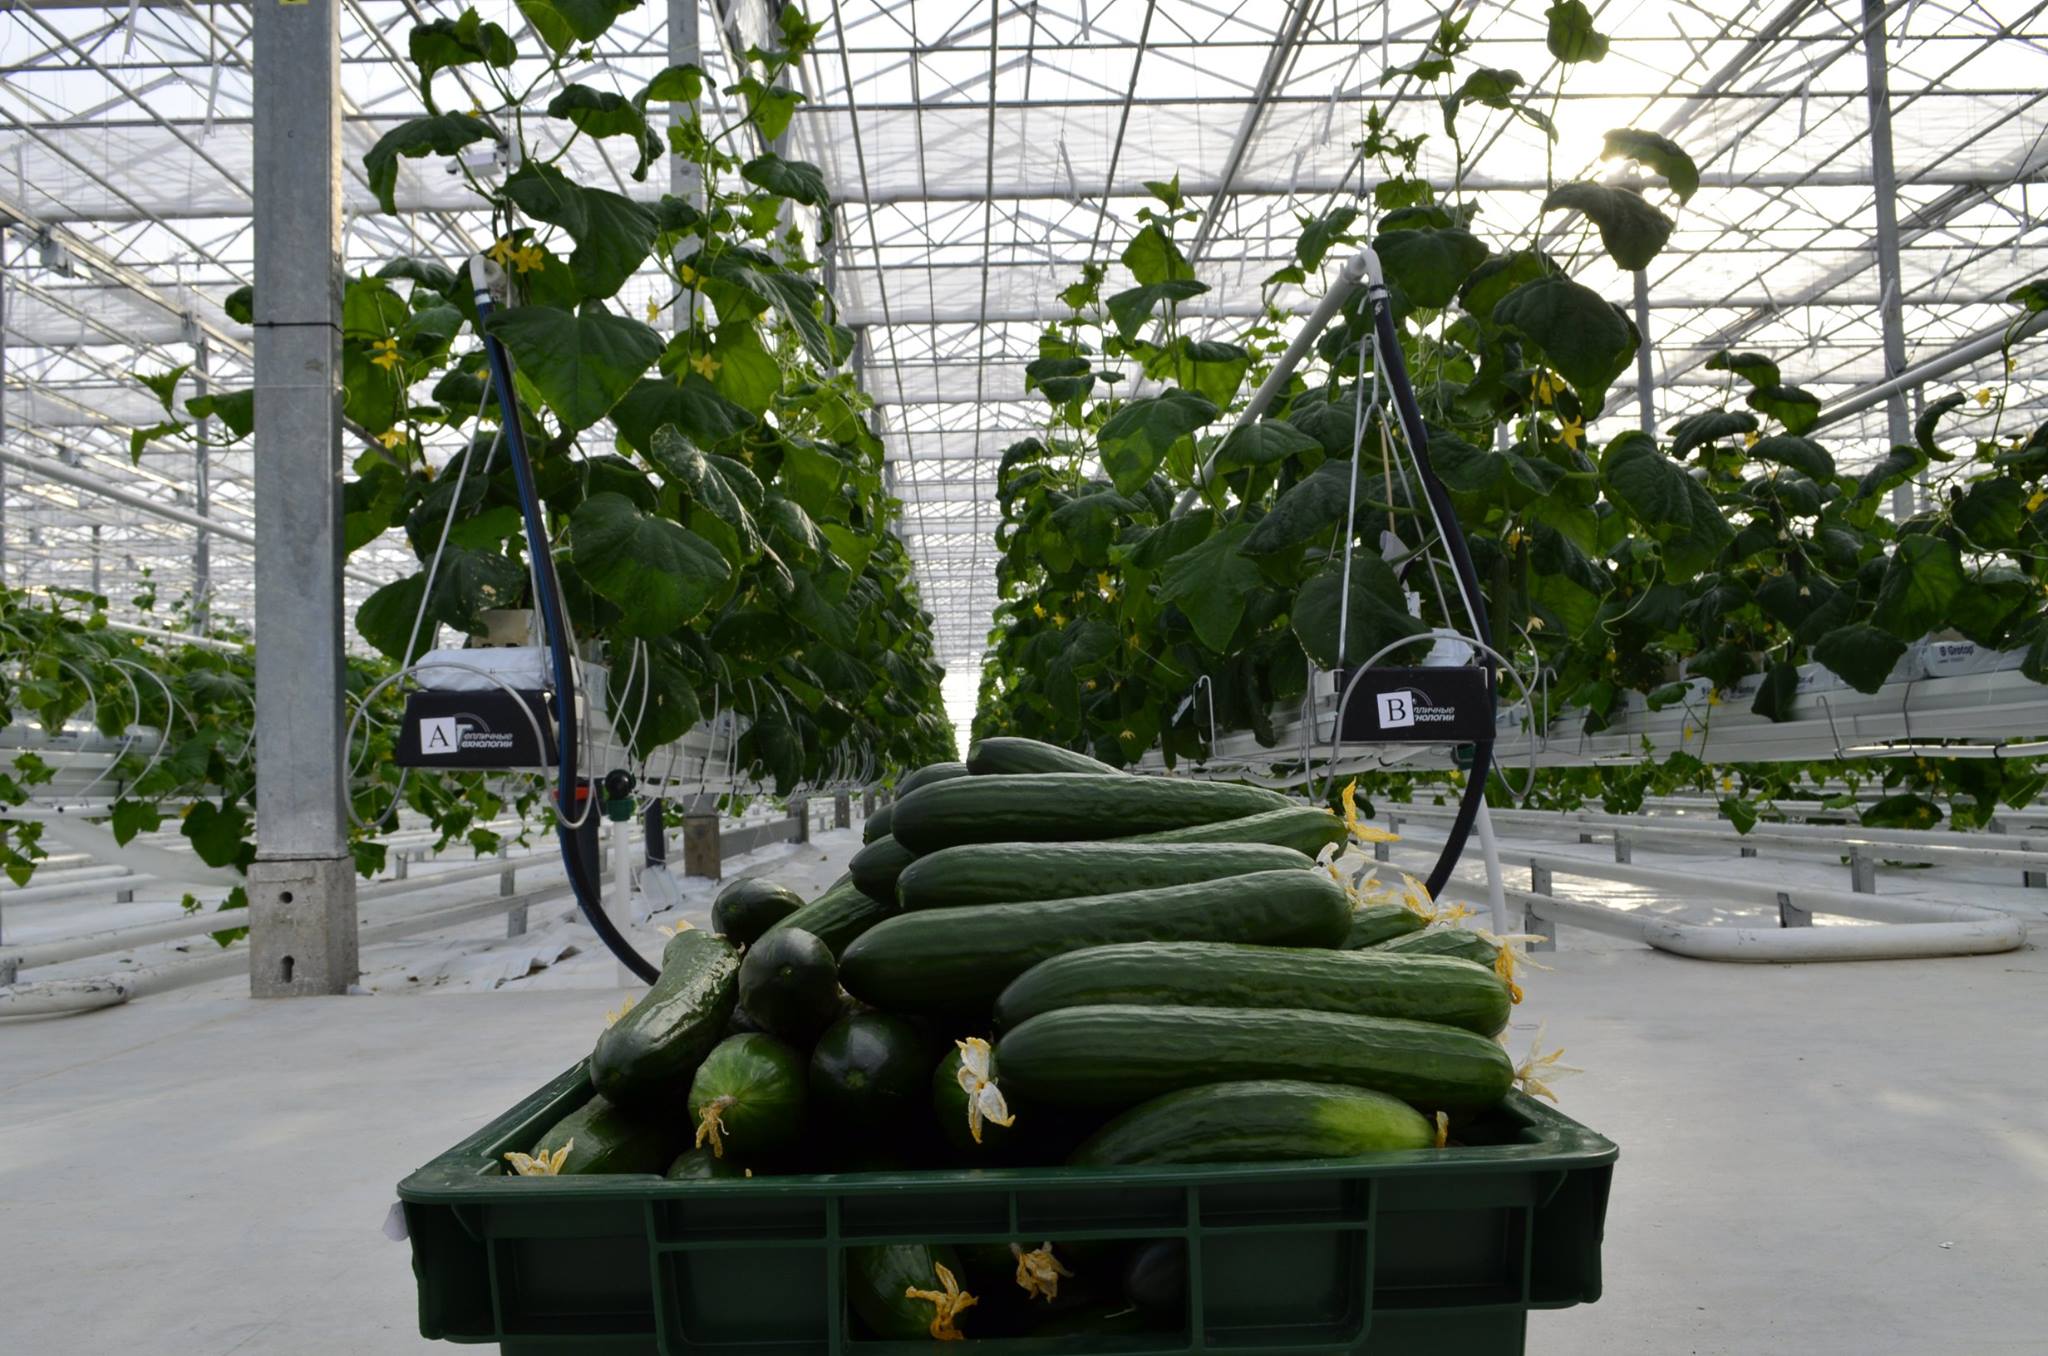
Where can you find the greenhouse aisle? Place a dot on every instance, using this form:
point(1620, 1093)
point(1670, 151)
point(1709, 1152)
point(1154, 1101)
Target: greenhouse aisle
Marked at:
point(1783, 1185)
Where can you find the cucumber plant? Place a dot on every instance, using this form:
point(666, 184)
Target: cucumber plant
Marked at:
point(1135, 591)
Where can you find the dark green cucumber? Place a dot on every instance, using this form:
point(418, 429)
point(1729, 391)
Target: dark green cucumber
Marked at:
point(750, 906)
point(646, 1057)
point(877, 823)
point(1122, 1055)
point(1009, 755)
point(602, 1136)
point(1006, 873)
point(1223, 975)
point(789, 983)
point(875, 868)
point(701, 1165)
point(837, 916)
point(1156, 1280)
point(1463, 943)
point(747, 1099)
point(927, 775)
point(870, 1073)
point(949, 1104)
point(1305, 828)
point(1065, 806)
point(958, 960)
point(1258, 1121)
point(877, 1278)
point(1376, 923)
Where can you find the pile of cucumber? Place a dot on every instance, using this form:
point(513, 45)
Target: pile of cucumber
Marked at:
point(1037, 960)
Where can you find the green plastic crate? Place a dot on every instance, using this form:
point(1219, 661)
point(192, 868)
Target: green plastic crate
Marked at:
point(1436, 1251)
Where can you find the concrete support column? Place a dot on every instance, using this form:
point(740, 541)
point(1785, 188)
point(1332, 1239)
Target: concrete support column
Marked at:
point(800, 811)
point(867, 803)
point(302, 893)
point(1790, 915)
point(700, 846)
point(842, 810)
point(1624, 851)
point(1862, 872)
point(1539, 884)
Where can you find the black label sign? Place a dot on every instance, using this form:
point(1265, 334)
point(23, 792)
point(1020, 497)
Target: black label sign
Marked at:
point(487, 729)
point(1418, 706)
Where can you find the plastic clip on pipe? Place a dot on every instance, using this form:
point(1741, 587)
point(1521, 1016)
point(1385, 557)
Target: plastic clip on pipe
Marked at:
point(573, 812)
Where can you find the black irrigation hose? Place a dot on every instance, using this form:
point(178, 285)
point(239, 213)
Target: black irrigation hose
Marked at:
point(1396, 373)
point(575, 831)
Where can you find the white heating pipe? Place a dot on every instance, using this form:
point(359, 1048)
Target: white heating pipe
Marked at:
point(1919, 928)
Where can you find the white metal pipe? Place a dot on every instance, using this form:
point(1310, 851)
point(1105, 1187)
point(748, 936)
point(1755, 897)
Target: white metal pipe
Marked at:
point(1489, 852)
point(165, 864)
point(1897, 844)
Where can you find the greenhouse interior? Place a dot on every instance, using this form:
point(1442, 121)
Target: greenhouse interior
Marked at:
point(1426, 623)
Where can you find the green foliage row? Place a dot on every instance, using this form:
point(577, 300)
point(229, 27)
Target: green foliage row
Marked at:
point(1147, 546)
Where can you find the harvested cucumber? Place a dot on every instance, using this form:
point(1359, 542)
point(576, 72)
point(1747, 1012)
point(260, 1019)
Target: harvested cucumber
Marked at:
point(877, 824)
point(875, 868)
point(646, 1057)
point(789, 983)
point(1450, 941)
point(1118, 1056)
point(1156, 1281)
point(1307, 829)
point(837, 916)
point(1376, 923)
point(1258, 1121)
point(1227, 975)
point(877, 1279)
point(702, 1165)
point(750, 906)
point(927, 775)
point(949, 1103)
point(1007, 873)
point(1008, 754)
point(747, 1099)
point(958, 960)
point(604, 1137)
point(869, 1075)
point(1064, 807)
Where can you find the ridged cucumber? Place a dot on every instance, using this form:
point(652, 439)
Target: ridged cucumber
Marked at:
point(1256, 1121)
point(870, 1073)
point(602, 1136)
point(1120, 1055)
point(875, 868)
point(1224, 975)
point(789, 984)
point(927, 775)
point(1376, 923)
point(747, 1099)
point(879, 1277)
point(1065, 806)
point(958, 960)
point(646, 1057)
point(838, 916)
point(1009, 755)
point(750, 906)
point(1305, 828)
point(1452, 941)
point(1005, 873)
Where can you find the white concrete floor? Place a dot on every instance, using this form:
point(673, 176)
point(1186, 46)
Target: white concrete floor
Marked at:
point(1840, 1159)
